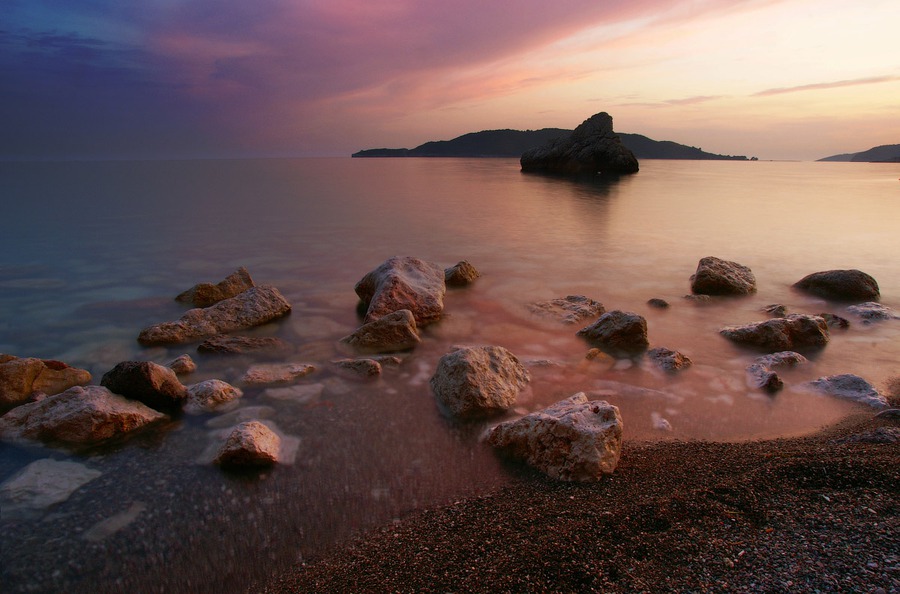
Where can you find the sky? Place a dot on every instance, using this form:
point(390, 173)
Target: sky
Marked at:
point(776, 79)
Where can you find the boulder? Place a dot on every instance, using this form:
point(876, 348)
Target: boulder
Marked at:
point(242, 345)
point(397, 331)
point(20, 377)
point(403, 283)
point(715, 276)
point(572, 440)
point(761, 374)
point(253, 307)
point(461, 274)
point(78, 416)
point(669, 360)
point(568, 310)
point(153, 384)
point(211, 394)
point(872, 312)
point(592, 148)
point(617, 331)
point(182, 364)
point(275, 373)
point(850, 387)
point(206, 294)
point(473, 382)
point(250, 444)
point(840, 285)
point(359, 367)
point(795, 331)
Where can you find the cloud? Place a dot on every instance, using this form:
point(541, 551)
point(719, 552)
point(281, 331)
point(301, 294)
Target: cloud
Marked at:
point(827, 85)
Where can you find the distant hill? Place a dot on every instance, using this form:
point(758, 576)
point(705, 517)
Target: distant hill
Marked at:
point(512, 143)
point(887, 153)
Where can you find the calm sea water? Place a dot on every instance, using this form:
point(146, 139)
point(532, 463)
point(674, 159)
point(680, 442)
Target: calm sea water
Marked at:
point(92, 252)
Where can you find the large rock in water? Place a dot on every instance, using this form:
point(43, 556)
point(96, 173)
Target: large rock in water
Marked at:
point(404, 283)
point(396, 331)
point(781, 334)
point(206, 294)
point(715, 276)
point(473, 382)
point(253, 307)
point(249, 444)
point(850, 387)
point(20, 377)
point(155, 385)
point(617, 331)
point(573, 440)
point(841, 285)
point(592, 148)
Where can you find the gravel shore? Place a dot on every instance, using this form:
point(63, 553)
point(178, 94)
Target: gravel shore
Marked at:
point(808, 514)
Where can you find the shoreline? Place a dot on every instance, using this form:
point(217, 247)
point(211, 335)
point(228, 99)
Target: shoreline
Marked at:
point(791, 514)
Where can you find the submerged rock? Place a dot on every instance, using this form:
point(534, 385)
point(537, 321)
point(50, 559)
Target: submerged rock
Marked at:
point(715, 276)
point(359, 367)
point(761, 374)
point(242, 345)
point(834, 321)
point(568, 310)
point(572, 440)
point(41, 484)
point(850, 387)
point(873, 312)
point(206, 294)
point(461, 274)
point(776, 310)
point(473, 382)
point(211, 394)
point(669, 360)
point(275, 373)
point(842, 285)
point(618, 331)
point(250, 444)
point(658, 303)
point(153, 384)
point(396, 331)
point(182, 364)
point(403, 283)
point(781, 334)
point(20, 377)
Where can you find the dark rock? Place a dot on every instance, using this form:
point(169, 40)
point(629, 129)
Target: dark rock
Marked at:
point(669, 360)
point(880, 435)
point(618, 331)
point(892, 414)
point(698, 298)
point(850, 387)
point(403, 283)
point(396, 331)
point(570, 309)
point(206, 294)
point(872, 312)
point(658, 303)
point(715, 276)
point(834, 321)
point(460, 275)
point(241, 345)
point(359, 367)
point(761, 377)
point(776, 310)
point(781, 334)
point(842, 285)
point(147, 382)
point(473, 382)
point(592, 148)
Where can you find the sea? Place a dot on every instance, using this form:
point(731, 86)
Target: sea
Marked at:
point(92, 252)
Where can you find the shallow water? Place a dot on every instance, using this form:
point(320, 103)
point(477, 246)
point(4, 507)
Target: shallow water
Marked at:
point(93, 252)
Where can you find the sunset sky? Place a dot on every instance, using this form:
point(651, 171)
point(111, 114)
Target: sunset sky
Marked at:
point(777, 79)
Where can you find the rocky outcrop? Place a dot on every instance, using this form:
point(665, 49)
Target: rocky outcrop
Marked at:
point(403, 283)
point(243, 345)
point(250, 444)
point(20, 377)
point(78, 416)
point(275, 373)
point(796, 331)
point(592, 148)
point(568, 310)
point(253, 307)
point(573, 440)
point(153, 384)
point(840, 285)
point(715, 276)
point(206, 294)
point(872, 312)
point(473, 382)
point(397, 331)
point(668, 360)
point(461, 274)
point(617, 331)
point(850, 387)
point(211, 394)
point(761, 373)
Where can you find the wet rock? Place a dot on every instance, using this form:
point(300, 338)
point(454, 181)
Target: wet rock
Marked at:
point(698, 298)
point(715, 276)
point(834, 321)
point(568, 310)
point(592, 148)
point(850, 387)
point(20, 377)
point(572, 440)
point(206, 294)
point(359, 367)
point(397, 331)
point(669, 360)
point(250, 444)
point(242, 345)
point(254, 307)
point(211, 394)
point(182, 365)
point(78, 416)
point(776, 310)
point(782, 359)
point(460, 275)
point(147, 382)
point(403, 283)
point(41, 484)
point(781, 334)
point(892, 414)
point(842, 285)
point(658, 303)
point(873, 312)
point(617, 331)
point(275, 373)
point(762, 377)
point(473, 382)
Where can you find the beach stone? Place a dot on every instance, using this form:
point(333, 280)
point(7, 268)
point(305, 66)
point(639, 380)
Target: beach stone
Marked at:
point(242, 345)
point(568, 310)
point(461, 274)
point(403, 283)
point(359, 367)
point(761, 374)
point(253, 307)
point(41, 484)
point(473, 382)
point(397, 331)
point(206, 294)
point(873, 312)
point(250, 444)
point(20, 377)
point(572, 440)
point(669, 360)
point(78, 416)
point(211, 394)
point(715, 276)
point(153, 384)
point(781, 334)
point(658, 303)
point(850, 387)
point(591, 148)
point(834, 321)
point(617, 330)
point(182, 365)
point(275, 373)
point(776, 310)
point(842, 285)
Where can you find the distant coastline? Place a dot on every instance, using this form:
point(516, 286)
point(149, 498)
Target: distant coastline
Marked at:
point(886, 153)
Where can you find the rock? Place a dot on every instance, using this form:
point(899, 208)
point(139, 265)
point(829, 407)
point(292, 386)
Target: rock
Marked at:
point(396, 331)
point(20, 377)
point(78, 416)
point(873, 312)
point(41, 484)
point(473, 382)
point(850, 387)
point(892, 414)
point(253, 307)
point(460, 275)
point(776, 310)
point(762, 377)
point(782, 359)
point(592, 148)
point(250, 444)
point(183, 364)
point(659, 422)
point(572, 440)
point(206, 294)
point(568, 310)
point(275, 373)
point(618, 331)
point(880, 435)
point(834, 321)
point(359, 367)
point(781, 334)
point(715, 276)
point(658, 303)
point(147, 382)
point(669, 360)
point(211, 394)
point(698, 298)
point(403, 283)
point(242, 345)
point(841, 285)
